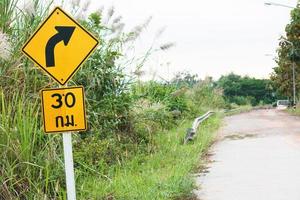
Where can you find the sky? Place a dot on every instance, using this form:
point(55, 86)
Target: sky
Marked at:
point(212, 38)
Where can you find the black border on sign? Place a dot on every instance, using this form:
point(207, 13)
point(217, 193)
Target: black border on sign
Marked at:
point(83, 60)
point(66, 88)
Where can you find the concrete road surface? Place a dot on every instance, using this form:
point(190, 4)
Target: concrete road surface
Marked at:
point(257, 157)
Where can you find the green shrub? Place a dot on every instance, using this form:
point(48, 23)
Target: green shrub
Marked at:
point(203, 97)
point(151, 117)
point(164, 93)
point(243, 100)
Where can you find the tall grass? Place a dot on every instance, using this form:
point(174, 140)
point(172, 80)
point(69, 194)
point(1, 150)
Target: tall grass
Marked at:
point(30, 166)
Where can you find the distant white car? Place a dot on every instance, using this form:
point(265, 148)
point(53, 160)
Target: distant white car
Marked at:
point(283, 104)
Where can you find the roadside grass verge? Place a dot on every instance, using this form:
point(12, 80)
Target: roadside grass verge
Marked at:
point(293, 111)
point(238, 110)
point(164, 174)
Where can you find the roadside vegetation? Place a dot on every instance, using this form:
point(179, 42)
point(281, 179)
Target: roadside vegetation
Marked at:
point(288, 55)
point(294, 110)
point(247, 91)
point(133, 146)
point(163, 174)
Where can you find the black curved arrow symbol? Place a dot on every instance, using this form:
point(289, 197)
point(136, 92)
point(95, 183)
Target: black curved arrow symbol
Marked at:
point(64, 33)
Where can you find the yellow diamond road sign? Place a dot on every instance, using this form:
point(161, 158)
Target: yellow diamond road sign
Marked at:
point(60, 45)
point(63, 109)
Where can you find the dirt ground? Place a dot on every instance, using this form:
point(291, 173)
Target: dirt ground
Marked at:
point(257, 157)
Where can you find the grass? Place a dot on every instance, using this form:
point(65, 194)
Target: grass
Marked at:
point(164, 174)
point(30, 167)
point(31, 162)
point(240, 109)
point(293, 111)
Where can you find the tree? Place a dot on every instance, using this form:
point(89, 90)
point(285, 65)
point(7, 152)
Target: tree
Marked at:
point(245, 90)
point(288, 54)
point(230, 84)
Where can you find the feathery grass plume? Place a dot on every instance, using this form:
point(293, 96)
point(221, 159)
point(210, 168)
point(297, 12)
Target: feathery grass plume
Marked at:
point(167, 46)
point(80, 11)
point(5, 47)
point(75, 3)
point(137, 30)
point(147, 22)
point(117, 20)
point(29, 8)
point(99, 11)
point(118, 28)
point(86, 5)
point(79, 16)
point(160, 31)
point(139, 73)
point(111, 12)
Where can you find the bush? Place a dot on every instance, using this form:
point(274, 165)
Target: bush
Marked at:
point(242, 100)
point(164, 93)
point(203, 97)
point(151, 117)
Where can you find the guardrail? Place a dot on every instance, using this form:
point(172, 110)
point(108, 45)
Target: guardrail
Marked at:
point(191, 132)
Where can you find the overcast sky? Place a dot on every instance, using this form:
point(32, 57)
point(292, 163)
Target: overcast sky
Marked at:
point(212, 37)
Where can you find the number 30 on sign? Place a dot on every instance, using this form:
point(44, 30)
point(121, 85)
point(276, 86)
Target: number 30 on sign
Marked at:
point(63, 109)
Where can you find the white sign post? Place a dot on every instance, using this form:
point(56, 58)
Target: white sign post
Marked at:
point(69, 166)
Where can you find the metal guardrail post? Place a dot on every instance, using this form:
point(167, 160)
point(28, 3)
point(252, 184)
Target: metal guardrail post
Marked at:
point(191, 132)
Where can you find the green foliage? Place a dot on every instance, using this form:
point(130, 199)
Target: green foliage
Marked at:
point(243, 100)
point(165, 93)
point(125, 117)
point(30, 166)
point(288, 54)
point(203, 97)
point(163, 174)
point(295, 111)
point(245, 90)
point(151, 116)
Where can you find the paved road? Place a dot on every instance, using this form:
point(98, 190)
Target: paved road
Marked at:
point(257, 157)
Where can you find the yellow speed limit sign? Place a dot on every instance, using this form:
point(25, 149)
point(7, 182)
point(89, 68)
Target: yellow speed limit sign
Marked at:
point(63, 109)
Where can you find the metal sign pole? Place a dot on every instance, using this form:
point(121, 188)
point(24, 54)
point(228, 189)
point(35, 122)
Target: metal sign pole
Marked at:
point(69, 166)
